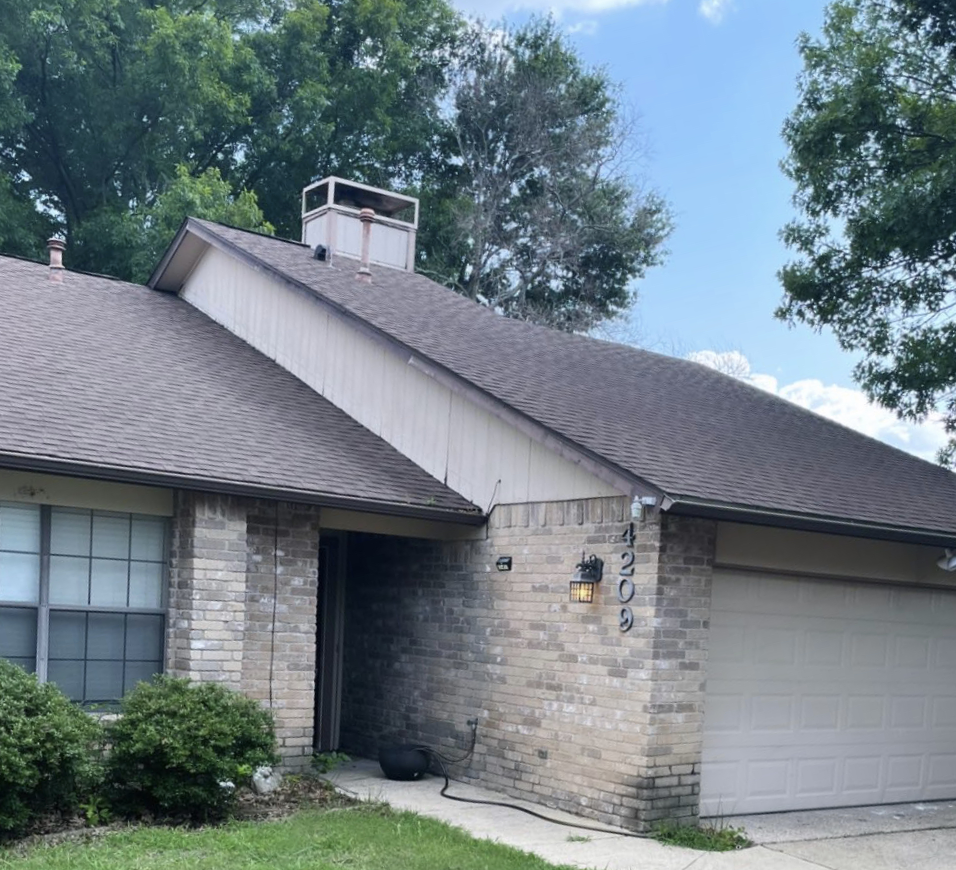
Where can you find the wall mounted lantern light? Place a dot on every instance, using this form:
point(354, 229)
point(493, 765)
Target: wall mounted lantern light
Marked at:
point(503, 563)
point(587, 573)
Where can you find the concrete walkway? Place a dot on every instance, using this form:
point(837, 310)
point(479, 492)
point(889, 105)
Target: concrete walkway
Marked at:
point(908, 837)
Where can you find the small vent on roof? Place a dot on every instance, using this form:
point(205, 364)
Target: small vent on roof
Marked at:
point(56, 246)
point(320, 253)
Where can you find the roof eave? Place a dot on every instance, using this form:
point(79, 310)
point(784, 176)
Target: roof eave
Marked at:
point(695, 507)
point(177, 251)
point(147, 477)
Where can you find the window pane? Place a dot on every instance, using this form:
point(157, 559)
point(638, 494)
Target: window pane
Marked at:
point(18, 633)
point(106, 636)
point(69, 580)
point(70, 532)
point(19, 577)
point(140, 672)
point(149, 539)
point(67, 635)
point(146, 584)
point(111, 535)
point(68, 676)
point(108, 582)
point(144, 637)
point(104, 681)
point(29, 665)
point(20, 527)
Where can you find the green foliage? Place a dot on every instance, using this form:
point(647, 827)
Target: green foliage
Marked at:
point(177, 743)
point(517, 149)
point(324, 762)
point(872, 151)
point(102, 100)
point(206, 196)
point(539, 212)
point(707, 838)
point(46, 750)
point(96, 810)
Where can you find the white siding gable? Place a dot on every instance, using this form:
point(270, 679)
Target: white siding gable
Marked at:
point(440, 430)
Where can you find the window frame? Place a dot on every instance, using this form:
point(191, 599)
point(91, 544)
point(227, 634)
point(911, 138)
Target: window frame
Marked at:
point(44, 608)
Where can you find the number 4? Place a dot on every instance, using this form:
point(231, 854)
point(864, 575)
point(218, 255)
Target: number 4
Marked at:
point(628, 535)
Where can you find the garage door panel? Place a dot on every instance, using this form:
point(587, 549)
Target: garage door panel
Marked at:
point(846, 696)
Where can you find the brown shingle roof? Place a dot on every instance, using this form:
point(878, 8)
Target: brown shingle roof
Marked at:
point(698, 435)
point(100, 374)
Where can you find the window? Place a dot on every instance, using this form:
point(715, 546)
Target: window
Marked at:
point(81, 597)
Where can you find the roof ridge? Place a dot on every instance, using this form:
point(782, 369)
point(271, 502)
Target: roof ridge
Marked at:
point(272, 236)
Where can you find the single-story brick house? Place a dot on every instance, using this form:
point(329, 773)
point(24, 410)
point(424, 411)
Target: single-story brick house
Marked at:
point(310, 473)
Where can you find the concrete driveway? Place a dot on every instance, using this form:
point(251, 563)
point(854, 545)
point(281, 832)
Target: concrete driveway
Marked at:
point(900, 837)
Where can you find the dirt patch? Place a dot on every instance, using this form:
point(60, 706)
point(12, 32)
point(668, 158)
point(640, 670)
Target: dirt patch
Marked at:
point(295, 793)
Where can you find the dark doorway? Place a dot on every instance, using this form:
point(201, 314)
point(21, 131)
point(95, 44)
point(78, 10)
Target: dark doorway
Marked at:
point(330, 619)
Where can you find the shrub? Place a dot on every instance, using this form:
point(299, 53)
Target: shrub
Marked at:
point(47, 757)
point(178, 745)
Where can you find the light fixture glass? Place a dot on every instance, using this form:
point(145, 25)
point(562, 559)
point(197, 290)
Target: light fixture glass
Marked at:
point(582, 591)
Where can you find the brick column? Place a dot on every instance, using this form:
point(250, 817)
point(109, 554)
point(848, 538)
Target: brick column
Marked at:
point(668, 785)
point(279, 663)
point(242, 611)
point(207, 588)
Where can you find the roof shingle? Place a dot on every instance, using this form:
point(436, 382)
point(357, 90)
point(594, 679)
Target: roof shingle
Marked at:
point(98, 373)
point(693, 432)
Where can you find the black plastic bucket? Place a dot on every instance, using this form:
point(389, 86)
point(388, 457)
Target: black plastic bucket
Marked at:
point(403, 762)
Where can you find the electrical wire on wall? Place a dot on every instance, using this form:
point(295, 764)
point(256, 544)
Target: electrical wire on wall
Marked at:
point(275, 601)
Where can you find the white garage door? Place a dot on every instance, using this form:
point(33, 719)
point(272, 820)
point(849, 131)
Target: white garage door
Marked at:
point(826, 694)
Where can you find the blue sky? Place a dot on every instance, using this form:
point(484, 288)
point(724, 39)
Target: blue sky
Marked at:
point(712, 82)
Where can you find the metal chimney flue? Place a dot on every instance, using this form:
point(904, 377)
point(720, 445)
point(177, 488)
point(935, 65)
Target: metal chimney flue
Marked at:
point(367, 217)
point(56, 246)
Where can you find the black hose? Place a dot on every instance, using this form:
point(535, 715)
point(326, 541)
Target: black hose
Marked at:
point(443, 760)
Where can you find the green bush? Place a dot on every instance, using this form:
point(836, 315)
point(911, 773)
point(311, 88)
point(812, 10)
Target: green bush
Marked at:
point(178, 744)
point(47, 750)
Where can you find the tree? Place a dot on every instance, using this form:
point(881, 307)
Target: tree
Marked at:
point(540, 215)
point(872, 151)
point(119, 117)
point(355, 89)
point(114, 95)
point(207, 196)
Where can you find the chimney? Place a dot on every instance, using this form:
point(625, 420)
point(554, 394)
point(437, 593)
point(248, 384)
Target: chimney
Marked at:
point(56, 246)
point(367, 217)
point(334, 218)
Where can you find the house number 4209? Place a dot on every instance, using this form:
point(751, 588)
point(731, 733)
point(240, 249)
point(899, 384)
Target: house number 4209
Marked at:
point(625, 581)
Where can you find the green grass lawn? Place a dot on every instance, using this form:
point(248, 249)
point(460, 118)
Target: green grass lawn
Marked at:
point(363, 838)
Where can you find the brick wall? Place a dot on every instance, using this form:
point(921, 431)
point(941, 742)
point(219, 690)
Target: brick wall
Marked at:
point(207, 594)
point(573, 713)
point(242, 606)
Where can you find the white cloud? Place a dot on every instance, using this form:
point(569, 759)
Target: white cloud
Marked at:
point(588, 27)
point(842, 404)
point(715, 10)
